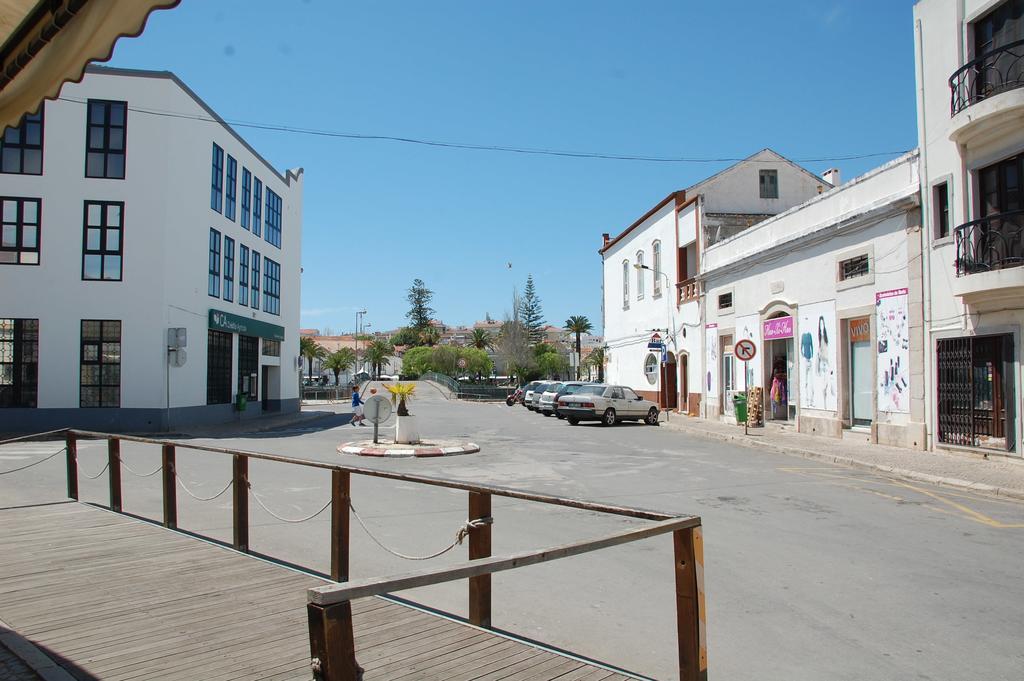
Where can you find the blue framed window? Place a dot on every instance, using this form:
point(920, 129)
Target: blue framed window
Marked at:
point(273, 232)
point(271, 286)
point(213, 288)
point(106, 137)
point(21, 146)
point(246, 196)
point(102, 241)
point(257, 202)
point(243, 275)
point(19, 231)
point(229, 204)
point(255, 280)
point(229, 269)
point(217, 181)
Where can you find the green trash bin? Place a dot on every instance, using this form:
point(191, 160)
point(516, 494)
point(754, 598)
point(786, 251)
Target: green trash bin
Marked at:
point(739, 404)
point(241, 402)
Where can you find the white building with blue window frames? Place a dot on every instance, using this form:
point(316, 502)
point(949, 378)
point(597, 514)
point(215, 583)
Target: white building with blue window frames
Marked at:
point(149, 263)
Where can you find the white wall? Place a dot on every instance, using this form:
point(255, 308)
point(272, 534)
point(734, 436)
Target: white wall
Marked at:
point(792, 260)
point(952, 149)
point(167, 217)
point(737, 189)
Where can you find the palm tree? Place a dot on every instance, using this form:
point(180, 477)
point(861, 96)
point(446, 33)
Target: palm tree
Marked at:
point(340, 360)
point(597, 359)
point(311, 350)
point(481, 339)
point(429, 336)
point(377, 354)
point(579, 325)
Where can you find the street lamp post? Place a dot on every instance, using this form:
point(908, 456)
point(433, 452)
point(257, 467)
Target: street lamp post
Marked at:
point(359, 316)
point(671, 316)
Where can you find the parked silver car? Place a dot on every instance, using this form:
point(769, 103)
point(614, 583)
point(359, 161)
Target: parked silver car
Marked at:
point(532, 399)
point(608, 404)
point(546, 402)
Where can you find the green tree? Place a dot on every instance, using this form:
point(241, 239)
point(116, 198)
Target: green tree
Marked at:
point(530, 313)
point(416, 361)
point(597, 359)
point(377, 354)
point(579, 325)
point(444, 359)
point(407, 336)
point(553, 365)
point(430, 336)
point(311, 350)
point(340, 360)
point(478, 363)
point(420, 313)
point(481, 339)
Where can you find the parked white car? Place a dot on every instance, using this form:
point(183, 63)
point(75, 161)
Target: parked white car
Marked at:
point(608, 404)
point(546, 402)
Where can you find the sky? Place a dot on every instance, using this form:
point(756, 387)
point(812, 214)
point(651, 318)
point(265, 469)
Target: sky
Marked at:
point(811, 79)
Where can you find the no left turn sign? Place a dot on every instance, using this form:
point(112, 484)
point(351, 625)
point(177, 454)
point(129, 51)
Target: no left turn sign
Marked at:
point(745, 350)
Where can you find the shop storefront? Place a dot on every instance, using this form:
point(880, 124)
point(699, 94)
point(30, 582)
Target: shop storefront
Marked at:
point(976, 392)
point(253, 382)
point(861, 371)
point(779, 365)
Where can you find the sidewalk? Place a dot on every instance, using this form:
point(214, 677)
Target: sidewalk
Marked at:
point(996, 475)
point(308, 415)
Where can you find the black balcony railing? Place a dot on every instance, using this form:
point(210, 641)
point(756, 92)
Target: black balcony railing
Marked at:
point(991, 243)
point(997, 71)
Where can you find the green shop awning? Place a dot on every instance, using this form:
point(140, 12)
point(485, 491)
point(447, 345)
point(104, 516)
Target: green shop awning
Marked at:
point(232, 323)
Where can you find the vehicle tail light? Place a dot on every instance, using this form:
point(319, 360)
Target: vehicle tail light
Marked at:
point(589, 405)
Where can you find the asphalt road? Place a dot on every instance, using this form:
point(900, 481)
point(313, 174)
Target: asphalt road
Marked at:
point(812, 571)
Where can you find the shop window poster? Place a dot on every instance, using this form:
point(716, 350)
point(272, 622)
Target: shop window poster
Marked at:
point(817, 346)
point(711, 363)
point(893, 331)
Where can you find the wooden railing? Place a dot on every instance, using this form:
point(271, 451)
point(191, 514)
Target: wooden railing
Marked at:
point(329, 607)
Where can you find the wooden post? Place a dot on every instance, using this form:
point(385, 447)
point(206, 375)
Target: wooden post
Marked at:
point(241, 502)
point(170, 490)
point(690, 614)
point(332, 646)
point(480, 547)
point(114, 472)
point(72, 458)
point(340, 495)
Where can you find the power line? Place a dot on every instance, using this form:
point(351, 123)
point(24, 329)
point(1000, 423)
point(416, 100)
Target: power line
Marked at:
point(272, 127)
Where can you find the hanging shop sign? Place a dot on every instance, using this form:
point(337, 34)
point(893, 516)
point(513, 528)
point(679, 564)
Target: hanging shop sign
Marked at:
point(860, 330)
point(780, 327)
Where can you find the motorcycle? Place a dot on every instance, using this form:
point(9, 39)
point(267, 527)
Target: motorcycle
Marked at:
point(515, 398)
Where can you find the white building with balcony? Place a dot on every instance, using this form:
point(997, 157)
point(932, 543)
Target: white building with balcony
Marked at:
point(149, 263)
point(650, 273)
point(829, 293)
point(970, 87)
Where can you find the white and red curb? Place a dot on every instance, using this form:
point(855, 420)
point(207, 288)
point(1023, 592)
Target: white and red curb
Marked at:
point(407, 450)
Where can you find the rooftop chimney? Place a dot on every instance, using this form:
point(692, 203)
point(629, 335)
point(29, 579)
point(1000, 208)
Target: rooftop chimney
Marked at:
point(606, 238)
point(832, 176)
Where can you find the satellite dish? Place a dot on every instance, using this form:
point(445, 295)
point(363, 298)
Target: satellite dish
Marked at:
point(377, 409)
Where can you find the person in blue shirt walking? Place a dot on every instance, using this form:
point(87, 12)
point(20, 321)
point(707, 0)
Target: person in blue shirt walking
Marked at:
point(357, 407)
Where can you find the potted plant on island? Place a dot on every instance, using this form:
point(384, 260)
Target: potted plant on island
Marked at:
point(406, 432)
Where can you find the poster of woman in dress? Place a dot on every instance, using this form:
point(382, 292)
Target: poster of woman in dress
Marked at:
point(893, 363)
point(817, 348)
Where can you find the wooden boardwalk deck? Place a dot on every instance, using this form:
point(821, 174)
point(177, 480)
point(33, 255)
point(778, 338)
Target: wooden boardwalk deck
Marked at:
point(111, 597)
